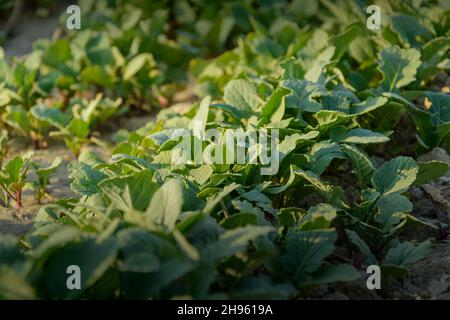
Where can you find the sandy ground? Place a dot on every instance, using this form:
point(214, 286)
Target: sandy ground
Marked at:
point(34, 29)
point(31, 28)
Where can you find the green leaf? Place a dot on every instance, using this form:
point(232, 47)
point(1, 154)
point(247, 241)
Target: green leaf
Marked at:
point(306, 251)
point(368, 105)
point(422, 119)
point(409, 29)
point(273, 109)
point(332, 194)
point(241, 94)
point(239, 220)
point(429, 171)
point(142, 251)
point(213, 202)
point(220, 30)
point(53, 116)
point(394, 203)
point(233, 111)
point(343, 40)
point(148, 285)
point(44, 173)
point(290, 142)
point(256, 196)
point(78, 128)
point(321, 155)
point(443, 131)
point(57, 53)
point(333, 273)
point(440, 107)
point(362, 136)
point(399, 67)
point(201, 174)
point(316, 71)
point(85, 179)
point(131, 161)
point(14, 286)
point(434, 51)
point(87, 113)
point(389, 270)
point(10, 252)
point(14, 170)
point(361, 163)
point(362, 246)
point(288, 217)
point(93, 259)
point(188, 249)
point(137, 241)
point(136, 64)
point(55, 238)
point(140, 262)
point(17, 117)
point(327, 119)
point(91, 158)
point(291, 68)
point(165, 206)
point(405, 253)
point(303, 95)
point(317, 217)
point(98, 50)
point(97, 75)
point(201, 117)
point(395, 176)
point(137, 188)
point(232, 242)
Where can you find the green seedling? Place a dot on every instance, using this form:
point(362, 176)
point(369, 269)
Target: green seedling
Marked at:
point(74, 135)
point(42, 177)
point(12, 179)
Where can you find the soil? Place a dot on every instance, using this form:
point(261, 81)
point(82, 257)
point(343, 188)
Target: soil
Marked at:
point(31, 26)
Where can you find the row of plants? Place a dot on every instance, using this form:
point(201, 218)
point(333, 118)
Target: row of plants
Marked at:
point(134, 54)
point(129, 59)
point(143, 227)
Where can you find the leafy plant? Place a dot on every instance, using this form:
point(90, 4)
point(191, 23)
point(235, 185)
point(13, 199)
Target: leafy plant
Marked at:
point(42, 176)
point(75, 135)
point(12, 179)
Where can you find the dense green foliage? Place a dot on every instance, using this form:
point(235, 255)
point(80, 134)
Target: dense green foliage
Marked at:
point(145, 228)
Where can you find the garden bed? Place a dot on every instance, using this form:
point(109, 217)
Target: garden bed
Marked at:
point(90, 121)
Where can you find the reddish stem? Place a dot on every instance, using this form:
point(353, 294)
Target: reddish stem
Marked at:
point(18, 198)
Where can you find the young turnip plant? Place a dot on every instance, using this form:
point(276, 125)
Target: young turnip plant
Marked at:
point(12, 179)
point(42, 177)
point(75, 135)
